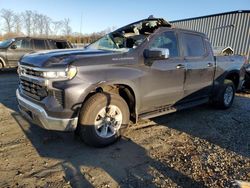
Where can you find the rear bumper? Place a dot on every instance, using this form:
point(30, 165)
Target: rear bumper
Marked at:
point(37, 115)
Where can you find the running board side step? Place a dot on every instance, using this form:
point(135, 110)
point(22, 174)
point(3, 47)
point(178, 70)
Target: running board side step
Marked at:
point(170, 109)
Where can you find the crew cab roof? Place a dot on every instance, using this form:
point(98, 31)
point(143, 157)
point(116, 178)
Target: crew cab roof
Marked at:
point(191, 31)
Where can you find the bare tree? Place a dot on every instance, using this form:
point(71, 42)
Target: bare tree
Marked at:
point(41, 24)
point(27, 21)
point(66, 29)
point(56, 27)
point(36, 25)
point(47, 22)
point(8, 18)
point(17, 23)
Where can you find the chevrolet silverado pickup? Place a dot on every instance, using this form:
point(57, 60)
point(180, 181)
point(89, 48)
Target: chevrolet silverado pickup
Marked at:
point(142, 70)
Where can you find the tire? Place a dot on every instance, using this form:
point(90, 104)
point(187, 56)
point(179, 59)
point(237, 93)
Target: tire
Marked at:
point(1, 65)
point(226, 95)
point(247, 81)
point(102, 118)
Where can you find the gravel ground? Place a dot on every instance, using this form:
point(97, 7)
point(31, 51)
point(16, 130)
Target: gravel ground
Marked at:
point(198, 147)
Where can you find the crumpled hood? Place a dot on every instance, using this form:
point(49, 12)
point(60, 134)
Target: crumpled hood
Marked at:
point(59, 58)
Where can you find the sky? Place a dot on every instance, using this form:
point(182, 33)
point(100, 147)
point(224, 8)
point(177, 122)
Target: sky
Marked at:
point(98, 15)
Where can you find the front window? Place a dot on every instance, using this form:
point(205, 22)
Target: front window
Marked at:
point(104, 43)
point(116, 42)
point(6, 43)
point(22, 44)
point(168, 41)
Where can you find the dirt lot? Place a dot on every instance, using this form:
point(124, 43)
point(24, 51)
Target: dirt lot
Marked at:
point(199, 147)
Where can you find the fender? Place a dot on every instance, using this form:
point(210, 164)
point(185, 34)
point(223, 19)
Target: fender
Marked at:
point(128, 83)
point(219, 81)
point(221, 78)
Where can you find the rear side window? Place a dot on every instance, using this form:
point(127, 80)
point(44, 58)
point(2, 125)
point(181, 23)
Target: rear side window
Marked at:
point(39, 44)
point(193, 45)
point(61, 45)
point(52, 44)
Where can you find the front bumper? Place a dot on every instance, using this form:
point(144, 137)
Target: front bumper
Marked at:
point(37, 115)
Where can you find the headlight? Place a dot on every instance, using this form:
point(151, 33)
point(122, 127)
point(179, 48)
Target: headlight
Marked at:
point(50, 74)
point(69, 73)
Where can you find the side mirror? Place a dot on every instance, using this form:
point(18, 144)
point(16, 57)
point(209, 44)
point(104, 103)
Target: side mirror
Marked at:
point(156, 53)
point(13, 47)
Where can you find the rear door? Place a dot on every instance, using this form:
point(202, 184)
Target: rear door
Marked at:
point(163, 83)
point(200, 66)
point(22, 46)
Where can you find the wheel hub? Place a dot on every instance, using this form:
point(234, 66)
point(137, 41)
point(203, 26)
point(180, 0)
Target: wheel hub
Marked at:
point(108, 121)
point(228, 95)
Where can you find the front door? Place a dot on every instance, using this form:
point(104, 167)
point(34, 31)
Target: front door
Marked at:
point(19, 48)
point(163, 83)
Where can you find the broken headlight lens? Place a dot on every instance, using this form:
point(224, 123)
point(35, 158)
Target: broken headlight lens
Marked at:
point(69, 73)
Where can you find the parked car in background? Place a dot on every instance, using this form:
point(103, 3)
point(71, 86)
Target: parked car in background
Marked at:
point(11, 50)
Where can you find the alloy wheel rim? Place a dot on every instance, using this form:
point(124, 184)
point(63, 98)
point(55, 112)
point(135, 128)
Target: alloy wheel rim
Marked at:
point(108, 121)
point(228, 95)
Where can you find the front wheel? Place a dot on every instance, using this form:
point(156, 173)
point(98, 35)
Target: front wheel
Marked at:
point(101, 119)
point(226, 95)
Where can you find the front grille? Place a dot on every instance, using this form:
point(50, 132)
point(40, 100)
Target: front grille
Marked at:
point(33, 84)
point(33, 90)
point(31, 72)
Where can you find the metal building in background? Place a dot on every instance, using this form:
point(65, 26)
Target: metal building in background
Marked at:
point(225, 29)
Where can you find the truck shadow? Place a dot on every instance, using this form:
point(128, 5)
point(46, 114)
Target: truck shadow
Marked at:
point(8, 70)
point(126, 163)
point(8, 86)
point(229, 129)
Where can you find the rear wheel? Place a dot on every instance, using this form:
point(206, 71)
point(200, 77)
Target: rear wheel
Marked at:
point(226, 95)
point(102, 118)
point(1, 65)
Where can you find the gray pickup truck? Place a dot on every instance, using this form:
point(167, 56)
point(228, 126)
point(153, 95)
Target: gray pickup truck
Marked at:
point(143, 70)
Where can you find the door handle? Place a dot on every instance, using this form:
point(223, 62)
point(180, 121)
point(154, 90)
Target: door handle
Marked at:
point(210, 65)
point(180, 66)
